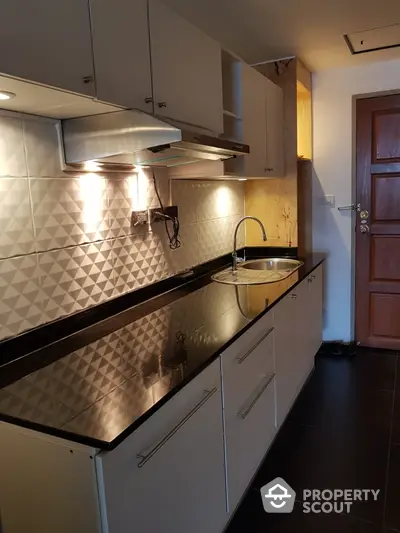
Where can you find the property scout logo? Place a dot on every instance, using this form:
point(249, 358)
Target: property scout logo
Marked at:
point(279, 497)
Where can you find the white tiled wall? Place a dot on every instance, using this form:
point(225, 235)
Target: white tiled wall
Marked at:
point(67, 241)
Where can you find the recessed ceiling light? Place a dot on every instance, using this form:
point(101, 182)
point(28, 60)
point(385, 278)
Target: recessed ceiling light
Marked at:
point(6, 95)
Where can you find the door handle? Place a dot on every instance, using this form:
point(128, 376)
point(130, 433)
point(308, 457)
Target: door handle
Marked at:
point(352, 207)
point(364, 228)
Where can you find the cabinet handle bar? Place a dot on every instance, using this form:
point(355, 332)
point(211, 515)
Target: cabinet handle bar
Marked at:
point(244, 413)
point(144, 457)
point(246, 355)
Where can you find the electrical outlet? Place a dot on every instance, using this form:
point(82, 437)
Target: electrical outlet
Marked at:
point(141, 218)
point(170, 211)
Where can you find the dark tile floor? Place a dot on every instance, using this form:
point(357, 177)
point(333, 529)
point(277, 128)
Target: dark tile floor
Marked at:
point(342, 433)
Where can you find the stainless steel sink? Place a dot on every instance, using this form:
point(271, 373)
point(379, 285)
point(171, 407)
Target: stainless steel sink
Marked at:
point(275, 264)
point(259, 271)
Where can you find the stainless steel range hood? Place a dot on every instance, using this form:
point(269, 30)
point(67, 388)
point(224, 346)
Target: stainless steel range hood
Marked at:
point(127, 138)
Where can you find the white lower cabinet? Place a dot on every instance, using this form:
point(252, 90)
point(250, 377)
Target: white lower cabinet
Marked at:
point(169, 475)
point(296, 319)
point(248, 378)
point(316, 314)
point(186, 468)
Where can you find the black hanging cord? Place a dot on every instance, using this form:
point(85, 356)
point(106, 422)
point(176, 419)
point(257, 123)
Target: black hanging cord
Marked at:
point(174, 242)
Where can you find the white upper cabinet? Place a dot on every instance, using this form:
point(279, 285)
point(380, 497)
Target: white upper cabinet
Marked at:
point(187, 71)
point(262, 125)
point(254, 121)
point(275, 161)
point(121, 50)
point(48, 42)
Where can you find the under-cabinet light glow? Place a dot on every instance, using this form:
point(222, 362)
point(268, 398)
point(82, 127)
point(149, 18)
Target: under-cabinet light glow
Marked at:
point(91, 188)
point(91, 166)
point(6, 95)
point(141, 191)
point(223, 201)
point(242, 179)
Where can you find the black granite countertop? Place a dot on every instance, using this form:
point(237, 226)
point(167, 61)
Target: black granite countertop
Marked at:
point(99, 384)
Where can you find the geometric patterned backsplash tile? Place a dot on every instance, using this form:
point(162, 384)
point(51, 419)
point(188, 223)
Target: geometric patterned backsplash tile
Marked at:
point(76, 278)
point(16, 228)
point(139, 260)
point(69, 211)
point(12, 148)
point(67, 241)
point(21, 297)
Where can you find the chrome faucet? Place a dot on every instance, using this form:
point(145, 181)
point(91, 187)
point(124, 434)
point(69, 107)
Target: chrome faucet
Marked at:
point(234, 254)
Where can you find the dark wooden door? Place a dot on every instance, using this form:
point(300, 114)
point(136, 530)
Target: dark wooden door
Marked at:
point(378, 222)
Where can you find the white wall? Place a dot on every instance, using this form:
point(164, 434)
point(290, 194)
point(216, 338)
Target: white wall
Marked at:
point(333, 92)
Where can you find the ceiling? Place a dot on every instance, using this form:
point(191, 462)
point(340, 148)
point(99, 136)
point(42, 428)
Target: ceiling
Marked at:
point(263, 30)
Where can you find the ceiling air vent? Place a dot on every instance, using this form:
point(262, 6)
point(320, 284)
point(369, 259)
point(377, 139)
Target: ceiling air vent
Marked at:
point(362, 42)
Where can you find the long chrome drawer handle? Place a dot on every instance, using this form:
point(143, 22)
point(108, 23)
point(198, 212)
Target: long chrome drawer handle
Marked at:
point(144, 457)
point(246, 355)
point(243, 414)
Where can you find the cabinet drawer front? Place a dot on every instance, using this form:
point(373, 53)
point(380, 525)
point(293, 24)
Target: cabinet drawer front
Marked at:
point(242, 348)
point(242, 369)
point(165, 420)
point(174, 457)
point(249, 433)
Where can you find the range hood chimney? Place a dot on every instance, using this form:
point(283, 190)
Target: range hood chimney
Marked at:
point(128, 138)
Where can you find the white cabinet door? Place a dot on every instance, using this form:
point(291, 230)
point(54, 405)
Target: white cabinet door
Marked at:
point(122, 53)
point(275, 131)
point(262, 125)
point(49, 42)
point(316, 289)
point(249, 408)
point(254, 121)
point(286, 353)
point(304, 316)
point(249, 433)
point(296, 318)
point(187, 71)
point(169, 474)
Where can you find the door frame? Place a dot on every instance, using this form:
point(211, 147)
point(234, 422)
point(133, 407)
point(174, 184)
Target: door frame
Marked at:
point(353, 200)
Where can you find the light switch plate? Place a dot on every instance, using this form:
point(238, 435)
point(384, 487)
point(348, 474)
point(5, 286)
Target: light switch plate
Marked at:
point(329, 200)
